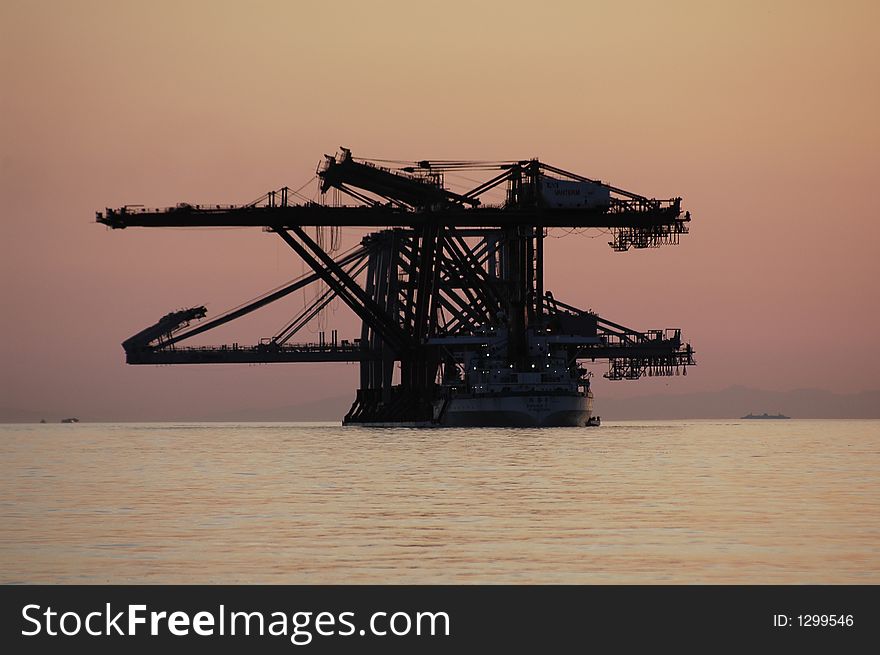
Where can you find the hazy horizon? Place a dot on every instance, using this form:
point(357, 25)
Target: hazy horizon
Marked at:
point(763, 117)
point(730, 403)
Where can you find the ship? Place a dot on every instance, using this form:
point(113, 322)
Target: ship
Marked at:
point(764, 416)
point(530, 407)
point(483, 385)
point(546, 392)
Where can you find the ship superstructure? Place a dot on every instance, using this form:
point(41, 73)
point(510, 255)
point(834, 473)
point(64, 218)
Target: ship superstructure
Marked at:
point(457, 327)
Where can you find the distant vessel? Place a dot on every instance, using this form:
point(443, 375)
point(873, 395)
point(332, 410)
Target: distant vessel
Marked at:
point(70, 420)
point(765, 415)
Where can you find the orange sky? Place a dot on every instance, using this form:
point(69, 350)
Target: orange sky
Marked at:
point(762, 115)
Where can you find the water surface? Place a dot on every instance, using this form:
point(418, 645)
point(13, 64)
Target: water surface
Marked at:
point(629, 502)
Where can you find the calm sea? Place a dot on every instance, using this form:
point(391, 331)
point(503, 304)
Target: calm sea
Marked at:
point(629, 502)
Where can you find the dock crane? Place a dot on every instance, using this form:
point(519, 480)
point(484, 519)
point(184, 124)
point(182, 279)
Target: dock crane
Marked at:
point(448, 288)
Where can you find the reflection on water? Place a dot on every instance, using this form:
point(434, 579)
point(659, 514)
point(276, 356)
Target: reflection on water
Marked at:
point(636, 502)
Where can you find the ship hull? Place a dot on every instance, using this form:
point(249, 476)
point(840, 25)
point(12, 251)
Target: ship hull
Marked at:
point(518, 411)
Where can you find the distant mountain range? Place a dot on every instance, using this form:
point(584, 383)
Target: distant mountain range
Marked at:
point(329, 409)
point(732, 402)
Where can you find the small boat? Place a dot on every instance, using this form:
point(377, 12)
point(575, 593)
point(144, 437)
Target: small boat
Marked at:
point(70, 420)
point(594, 422)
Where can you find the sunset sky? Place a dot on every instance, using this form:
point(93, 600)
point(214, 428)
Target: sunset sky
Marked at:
point(763, 116)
